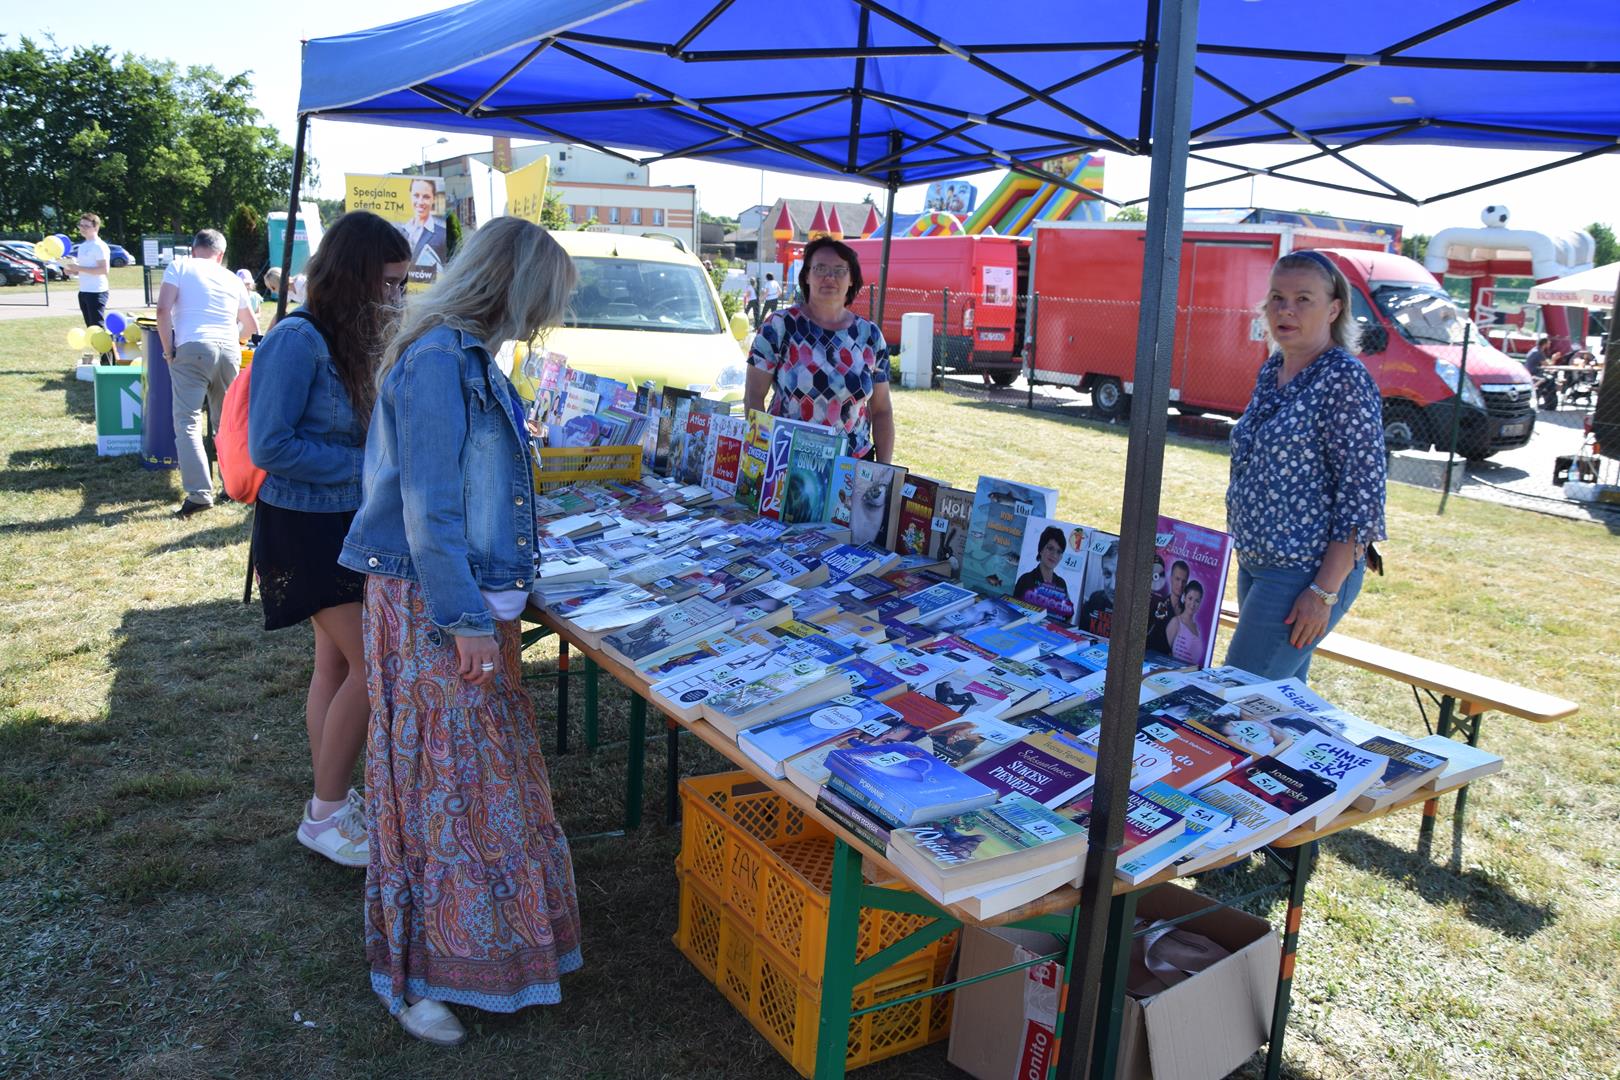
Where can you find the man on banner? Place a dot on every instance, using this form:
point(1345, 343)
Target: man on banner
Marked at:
point(425, 231)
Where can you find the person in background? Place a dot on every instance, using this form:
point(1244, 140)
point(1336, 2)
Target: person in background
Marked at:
point(313, 385)
point(750, 299)
point(771, 294)
point(1546, 386)
point(203, 316)
point(470, 895)
point(255, 301)
point(1306, 495)
point(272, 282)
point(823, 363)
point(92, 263)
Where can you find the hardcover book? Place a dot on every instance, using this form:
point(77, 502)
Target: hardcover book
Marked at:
point(914, 529)
point(995, 537)
point(723, 465)
point(1052, 567)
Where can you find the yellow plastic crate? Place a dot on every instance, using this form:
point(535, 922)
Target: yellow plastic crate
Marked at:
point(562, 465)
point(772, 866)
point(784, 1006)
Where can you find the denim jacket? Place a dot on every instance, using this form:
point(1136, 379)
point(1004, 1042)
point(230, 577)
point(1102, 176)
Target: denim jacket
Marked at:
point(448, 493)
point(302, 428)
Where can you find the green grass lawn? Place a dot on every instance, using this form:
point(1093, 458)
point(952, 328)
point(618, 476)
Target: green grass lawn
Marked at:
point(161, 921)
point(118, 277)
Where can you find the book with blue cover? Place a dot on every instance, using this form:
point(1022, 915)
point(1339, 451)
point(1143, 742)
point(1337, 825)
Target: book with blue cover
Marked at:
point(808, 481)
point(1202, 821)
point(770, 744)
point(995, 536)
point(938, 600)
point(907, 783)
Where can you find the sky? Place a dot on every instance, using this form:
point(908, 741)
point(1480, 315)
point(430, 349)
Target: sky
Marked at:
point(264, 38)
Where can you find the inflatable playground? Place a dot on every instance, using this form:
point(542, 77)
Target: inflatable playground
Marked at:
point(1016, 204)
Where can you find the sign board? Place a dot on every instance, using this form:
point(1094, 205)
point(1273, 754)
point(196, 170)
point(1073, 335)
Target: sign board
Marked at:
point(526, 190)
point(415, 206)
point(118, 409)
point(952, 196)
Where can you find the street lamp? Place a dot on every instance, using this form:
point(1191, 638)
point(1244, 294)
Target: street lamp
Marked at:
point(436, 142)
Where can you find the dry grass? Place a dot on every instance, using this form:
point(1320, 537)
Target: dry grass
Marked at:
point(161, 921)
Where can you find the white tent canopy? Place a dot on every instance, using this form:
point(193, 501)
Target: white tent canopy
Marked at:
point(1593, 289)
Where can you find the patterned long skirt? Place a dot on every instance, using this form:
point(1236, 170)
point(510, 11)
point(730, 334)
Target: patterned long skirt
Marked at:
point(470, 893)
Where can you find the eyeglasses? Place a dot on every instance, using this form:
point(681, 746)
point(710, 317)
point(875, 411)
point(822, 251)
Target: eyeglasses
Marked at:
point(828, 270)
point(394, 285)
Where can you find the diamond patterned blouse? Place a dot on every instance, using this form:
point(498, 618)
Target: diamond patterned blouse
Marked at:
point(822, 376)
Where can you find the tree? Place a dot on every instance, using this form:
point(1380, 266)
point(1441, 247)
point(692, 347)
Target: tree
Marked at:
point(331, 209)
point(452, 234)
point(1415, 246)
point(1605, 249)
point(553, 214)
point(246, 245)
point(1134, 212)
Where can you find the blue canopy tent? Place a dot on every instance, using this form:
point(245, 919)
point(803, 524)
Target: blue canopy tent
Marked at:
point(907, 91)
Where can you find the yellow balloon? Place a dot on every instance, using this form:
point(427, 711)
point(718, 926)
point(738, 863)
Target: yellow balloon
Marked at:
point(49, 248)
point(100, 340)
point(77, 338)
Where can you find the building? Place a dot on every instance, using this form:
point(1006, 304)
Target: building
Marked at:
point(745, 237)
point(595, 187)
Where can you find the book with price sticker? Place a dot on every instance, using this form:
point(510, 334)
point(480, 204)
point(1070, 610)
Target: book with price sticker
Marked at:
point(756, 450)
point(808, 771)
point(1348, 767)
point(1408, 768)
point(1149, 824)
point(1052, 566)
point(1196, 759)
point(674, 626)
point(801, 683)
point(1186, 603)
point(690, 657)
point(947, 541)
point(683, 693)
point(1025, 768)
point(1266, 799)
point(976, 851)
point(995, 537)
point(1464, 763)
point(914, 527)
point(1202, 821)
point(972, 738)
point(775, 741)
point(905, 783)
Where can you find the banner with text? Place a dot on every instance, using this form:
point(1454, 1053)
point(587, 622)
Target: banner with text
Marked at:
point(526, 190)
point(414, 204)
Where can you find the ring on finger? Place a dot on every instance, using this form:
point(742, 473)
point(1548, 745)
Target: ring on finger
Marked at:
point(487, 665)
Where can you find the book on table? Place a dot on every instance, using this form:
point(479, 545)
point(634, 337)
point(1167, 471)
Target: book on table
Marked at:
point(872, 512)
point(1150, 760)
point(995, 533)
point(953, 515)
point(1409, 768)
point(801, 683)
point(1149, 824)
point(1201, 822)
point(977, 851)
point(806, 484)
point(682, 694)
point(771, 743)
point(870, 829)
point(1266, 799)
point(1028, 769)
point(972, 737)
point(914, 529)
point(905, 783)
point(808, 771)
point(1464, 763)
point(1185, 605)
point(1097, 589)
point(1196, 759)
point(751, 467)
point(1319, 751)
point(670, 628)
point(1051, 567)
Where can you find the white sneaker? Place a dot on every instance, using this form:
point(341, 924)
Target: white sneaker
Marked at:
point(341, 837)
point(432, 1022)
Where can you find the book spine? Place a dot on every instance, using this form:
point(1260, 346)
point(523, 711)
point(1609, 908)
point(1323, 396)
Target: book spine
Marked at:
point(862, 799)
point(868, 829)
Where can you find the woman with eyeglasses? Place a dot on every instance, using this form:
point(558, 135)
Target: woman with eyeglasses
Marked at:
point(313, 385)
point(822, 362)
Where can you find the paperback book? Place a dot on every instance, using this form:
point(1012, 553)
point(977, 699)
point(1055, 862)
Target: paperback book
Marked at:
point(995, 536)
point(770, 744)
point(1149, 824)
point(1096, 615)
point(1026, 769)
point(1266, 799)
point(809, 474)
point(756, 451)
point(947, 539)
point(1189, 580)
point(914, 530)
point(1052, 566)
point(906, 783)
point(1202, 821)
point(972, 852)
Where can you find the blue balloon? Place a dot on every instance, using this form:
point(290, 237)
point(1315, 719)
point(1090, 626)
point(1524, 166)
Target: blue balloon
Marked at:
point(115, 323)
point(67, 243)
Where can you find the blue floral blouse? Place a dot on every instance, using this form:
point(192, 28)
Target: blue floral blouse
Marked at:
point(1308, 464)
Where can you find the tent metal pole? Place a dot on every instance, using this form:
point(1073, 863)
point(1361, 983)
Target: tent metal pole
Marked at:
point(495, 87)
point(292, 217)
point(698, 28)
point(1521, 174)
point(888, 236)
point(1447, 63)
point(934, 47)
point(1144, 468)
point(859, 88)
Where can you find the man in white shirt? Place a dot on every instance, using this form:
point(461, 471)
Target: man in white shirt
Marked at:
point(771, 294)
point(93, 260)
point(203, 315)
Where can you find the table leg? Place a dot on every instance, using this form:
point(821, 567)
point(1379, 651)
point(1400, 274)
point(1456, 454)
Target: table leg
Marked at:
point(838, 964)
point(562, 696)
point(636, 764)
point(1304, 862)
point(592, 671)
point(672, 783)
point(1431, 808)
point(1111, 998)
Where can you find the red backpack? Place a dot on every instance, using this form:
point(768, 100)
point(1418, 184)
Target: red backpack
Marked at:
point(237, 472)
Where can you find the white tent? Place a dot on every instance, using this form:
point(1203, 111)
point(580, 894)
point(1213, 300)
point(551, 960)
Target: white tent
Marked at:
point(1593, 289)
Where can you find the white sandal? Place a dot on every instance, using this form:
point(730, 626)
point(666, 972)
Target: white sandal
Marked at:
point(432, 1022)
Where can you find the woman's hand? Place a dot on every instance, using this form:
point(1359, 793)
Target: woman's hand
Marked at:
point(480, 658)
point(1309, 618)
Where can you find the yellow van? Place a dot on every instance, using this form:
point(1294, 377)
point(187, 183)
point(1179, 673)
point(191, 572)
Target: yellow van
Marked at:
point(645, 309)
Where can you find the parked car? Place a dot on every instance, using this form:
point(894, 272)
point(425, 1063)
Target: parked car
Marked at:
point(119, 257)
point(14, 271)
point(645, 309)
point(25, 251)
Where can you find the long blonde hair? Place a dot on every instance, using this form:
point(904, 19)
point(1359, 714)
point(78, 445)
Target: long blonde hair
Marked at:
point(508, 282)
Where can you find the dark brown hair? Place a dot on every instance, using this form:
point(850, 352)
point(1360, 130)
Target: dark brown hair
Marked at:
point(843, 251)
point(344, 285)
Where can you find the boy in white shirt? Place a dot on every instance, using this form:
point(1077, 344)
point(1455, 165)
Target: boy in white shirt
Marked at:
point(93, 261)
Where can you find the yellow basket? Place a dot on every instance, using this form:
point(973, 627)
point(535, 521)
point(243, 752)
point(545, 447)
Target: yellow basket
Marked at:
point(783, 1006)
point(772, 867)
point(563, 465)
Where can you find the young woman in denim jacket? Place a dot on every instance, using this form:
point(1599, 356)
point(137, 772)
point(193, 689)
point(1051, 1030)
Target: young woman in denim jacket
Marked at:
point(313, 380)
point(470, 892)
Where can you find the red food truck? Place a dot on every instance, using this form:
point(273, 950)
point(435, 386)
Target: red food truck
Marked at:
point(972, 285)
point(1086, 277)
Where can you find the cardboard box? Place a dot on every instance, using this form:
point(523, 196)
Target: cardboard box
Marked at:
point(1200, 1029)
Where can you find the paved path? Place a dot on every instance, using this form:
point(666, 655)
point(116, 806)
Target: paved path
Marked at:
point(64, 300)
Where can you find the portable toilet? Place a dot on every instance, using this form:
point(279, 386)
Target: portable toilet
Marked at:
point(306, 235)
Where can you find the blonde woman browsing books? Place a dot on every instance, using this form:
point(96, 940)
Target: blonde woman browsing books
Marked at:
point(1306, 496)
point(470, 894)
point(823, 363)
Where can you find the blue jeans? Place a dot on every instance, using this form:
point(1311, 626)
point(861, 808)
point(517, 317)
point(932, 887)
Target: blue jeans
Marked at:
point(1266, 595)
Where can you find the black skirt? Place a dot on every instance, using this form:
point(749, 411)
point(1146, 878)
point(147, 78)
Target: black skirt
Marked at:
point(295, 555)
